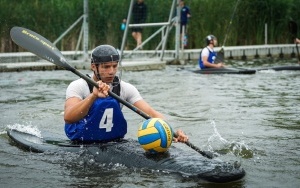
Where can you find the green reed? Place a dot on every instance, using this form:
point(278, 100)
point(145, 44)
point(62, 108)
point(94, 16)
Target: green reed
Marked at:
point(51, 18)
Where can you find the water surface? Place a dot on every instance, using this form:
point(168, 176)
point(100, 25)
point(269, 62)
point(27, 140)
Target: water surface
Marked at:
point(250, 118)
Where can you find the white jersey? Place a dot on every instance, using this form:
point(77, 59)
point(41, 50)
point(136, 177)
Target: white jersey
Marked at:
point(80, 89)
point(205, 52)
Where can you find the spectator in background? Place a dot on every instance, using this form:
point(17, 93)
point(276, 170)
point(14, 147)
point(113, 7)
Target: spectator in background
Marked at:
point(184, 17)
point(122, 28)
point(139, 14)
point(123, 25)
point(297, 41)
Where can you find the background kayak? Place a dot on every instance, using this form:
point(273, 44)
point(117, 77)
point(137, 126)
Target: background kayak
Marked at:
point(224, 71)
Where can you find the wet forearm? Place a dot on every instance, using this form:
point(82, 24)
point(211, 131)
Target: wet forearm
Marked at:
point(79, 110)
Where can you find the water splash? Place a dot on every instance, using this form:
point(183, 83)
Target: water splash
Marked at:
point(222, 146)
point(28, 128)
point(216, 142)
point(267, 71)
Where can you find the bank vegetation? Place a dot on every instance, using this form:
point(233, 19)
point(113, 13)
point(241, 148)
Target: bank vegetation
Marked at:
point(51, 18)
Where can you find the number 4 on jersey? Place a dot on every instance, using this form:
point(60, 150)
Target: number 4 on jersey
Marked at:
point(106, 120)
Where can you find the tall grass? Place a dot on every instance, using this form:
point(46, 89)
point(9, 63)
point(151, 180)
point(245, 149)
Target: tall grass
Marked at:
point(52, 17)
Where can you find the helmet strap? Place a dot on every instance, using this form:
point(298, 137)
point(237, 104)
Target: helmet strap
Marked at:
point(96, 73)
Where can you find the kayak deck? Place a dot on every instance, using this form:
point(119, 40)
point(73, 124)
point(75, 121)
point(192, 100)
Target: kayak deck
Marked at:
point(224, 71)
point(280, 68)
point(244, 71)
point(130, 154)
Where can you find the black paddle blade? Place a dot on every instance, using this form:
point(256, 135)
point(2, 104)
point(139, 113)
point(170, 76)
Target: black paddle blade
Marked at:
point(298, 53)
point(293, 28)
point(220, 56)
point(38, 45)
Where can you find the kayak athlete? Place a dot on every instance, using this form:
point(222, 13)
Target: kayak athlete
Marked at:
point(208, 55)
point(91, 114)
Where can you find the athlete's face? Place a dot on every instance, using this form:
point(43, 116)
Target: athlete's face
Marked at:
point(107, 71)
point(215, 42)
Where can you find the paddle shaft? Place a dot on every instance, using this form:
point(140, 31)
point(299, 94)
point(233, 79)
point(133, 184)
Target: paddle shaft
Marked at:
point(298, 52)
point(220, 56)
point(43, 48)
point(230, 23)
point(140, 112)
point(130, 106)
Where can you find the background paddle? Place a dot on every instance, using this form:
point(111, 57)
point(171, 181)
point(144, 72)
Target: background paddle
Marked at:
point(293, 27)
point(43, 48)
point(220, 54)
point(298, 53)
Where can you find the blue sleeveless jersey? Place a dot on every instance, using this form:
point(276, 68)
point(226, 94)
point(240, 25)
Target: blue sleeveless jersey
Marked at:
point(104, 122)
point(211, 59)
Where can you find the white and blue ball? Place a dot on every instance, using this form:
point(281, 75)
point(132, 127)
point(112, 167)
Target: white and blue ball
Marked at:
point(155, 135)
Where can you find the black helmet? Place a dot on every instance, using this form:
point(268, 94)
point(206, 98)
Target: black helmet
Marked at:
point(209, 38)
point(104, 53)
